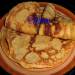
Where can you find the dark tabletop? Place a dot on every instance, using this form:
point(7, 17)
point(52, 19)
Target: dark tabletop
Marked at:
point(6, 5)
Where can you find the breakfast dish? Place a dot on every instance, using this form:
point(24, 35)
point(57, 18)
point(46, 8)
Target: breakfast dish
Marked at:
point(37, 35)
point(22, 19)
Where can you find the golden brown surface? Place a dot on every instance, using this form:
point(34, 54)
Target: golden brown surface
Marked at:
point(44, 49)
point(60, 25)
point(44, 52)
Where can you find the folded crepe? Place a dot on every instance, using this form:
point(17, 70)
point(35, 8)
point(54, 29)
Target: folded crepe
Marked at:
point(21, 18)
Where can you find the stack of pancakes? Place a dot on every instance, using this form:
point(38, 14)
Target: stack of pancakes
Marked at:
point(41, 45)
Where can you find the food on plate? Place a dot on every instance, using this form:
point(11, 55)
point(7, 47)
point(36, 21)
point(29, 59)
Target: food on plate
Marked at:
point(37, 35)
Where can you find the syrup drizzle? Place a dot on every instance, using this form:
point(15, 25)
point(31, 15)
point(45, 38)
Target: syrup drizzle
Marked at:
point(37, 21)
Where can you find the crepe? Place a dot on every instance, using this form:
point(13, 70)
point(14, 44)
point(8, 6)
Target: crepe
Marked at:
point(43, 52)
point(19, 18)
point(37, 45)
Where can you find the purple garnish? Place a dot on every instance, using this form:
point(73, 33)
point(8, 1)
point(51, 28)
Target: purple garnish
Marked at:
point(37, 20)
point(44, 21)
point(30, 19)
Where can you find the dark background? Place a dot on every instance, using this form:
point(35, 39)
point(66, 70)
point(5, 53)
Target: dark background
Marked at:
point(6, 5)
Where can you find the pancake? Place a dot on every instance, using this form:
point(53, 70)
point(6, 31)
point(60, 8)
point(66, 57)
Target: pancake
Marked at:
point(20, 18)
point(33, 45)
point(44, 52)
point(42, 19)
